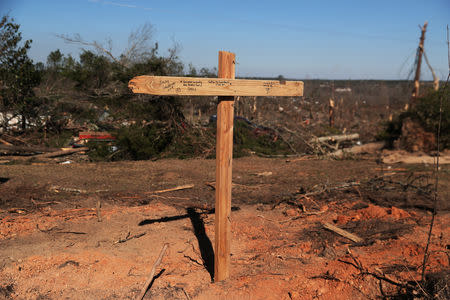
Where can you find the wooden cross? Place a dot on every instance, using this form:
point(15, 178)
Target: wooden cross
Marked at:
point(226, 87)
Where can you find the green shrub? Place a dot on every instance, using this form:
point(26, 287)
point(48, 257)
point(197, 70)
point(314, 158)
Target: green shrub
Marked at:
point(58, 139)
point(100, 151)
point(179, 140)
point(138, 142)
point(246, 139)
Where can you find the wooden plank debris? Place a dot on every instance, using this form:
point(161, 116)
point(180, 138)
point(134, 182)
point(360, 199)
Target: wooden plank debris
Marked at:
point(192, 86)
point(343, 232)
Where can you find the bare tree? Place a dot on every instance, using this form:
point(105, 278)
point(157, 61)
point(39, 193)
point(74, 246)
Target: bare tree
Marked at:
point(77, 39)
point(138, 48)
point(173, 64)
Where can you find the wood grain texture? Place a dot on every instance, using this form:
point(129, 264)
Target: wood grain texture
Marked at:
point(343, 232)
point(222, 86)
point(224, 158)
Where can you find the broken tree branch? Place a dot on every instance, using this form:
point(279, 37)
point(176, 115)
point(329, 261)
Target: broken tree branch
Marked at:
point(181, 187)
point(5, 142)
point(299, 136)
point(37, 203)
point(435, 78)
point(61, 153)
point(287, 143)
point(323, 189)
point(11, 147)
point(58, 189)
point(364, 271)
point(45, 230)
point(152, 273)
point(317, 190)
point(186, 294)
point(212, 184)
point(129, 237)
point(71, 232)
point(77, 39)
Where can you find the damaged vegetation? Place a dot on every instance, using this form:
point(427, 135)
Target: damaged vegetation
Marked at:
point(364, 220)
point(67, 95)
point(416, 129)
point(305, 217)
point(57, 100)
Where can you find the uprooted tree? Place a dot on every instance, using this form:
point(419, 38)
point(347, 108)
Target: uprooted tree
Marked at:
point(416, 128)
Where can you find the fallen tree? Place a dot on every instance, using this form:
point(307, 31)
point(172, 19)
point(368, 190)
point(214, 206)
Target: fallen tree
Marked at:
point(335, 138)
point(358, 149)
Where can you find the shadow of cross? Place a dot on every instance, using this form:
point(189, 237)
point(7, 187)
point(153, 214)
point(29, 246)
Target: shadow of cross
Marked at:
point(204, 243)
point(226, 87)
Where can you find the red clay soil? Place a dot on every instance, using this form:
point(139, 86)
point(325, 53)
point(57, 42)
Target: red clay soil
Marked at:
point(56, 248)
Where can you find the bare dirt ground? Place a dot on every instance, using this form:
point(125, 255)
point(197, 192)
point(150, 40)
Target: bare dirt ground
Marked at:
point(53, 246)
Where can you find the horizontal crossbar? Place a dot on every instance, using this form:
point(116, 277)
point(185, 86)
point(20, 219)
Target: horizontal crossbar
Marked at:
point(192, 86)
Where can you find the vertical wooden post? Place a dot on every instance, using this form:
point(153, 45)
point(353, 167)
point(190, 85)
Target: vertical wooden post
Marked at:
point(224, 157)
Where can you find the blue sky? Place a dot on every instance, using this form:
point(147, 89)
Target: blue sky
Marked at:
point(298, 39)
